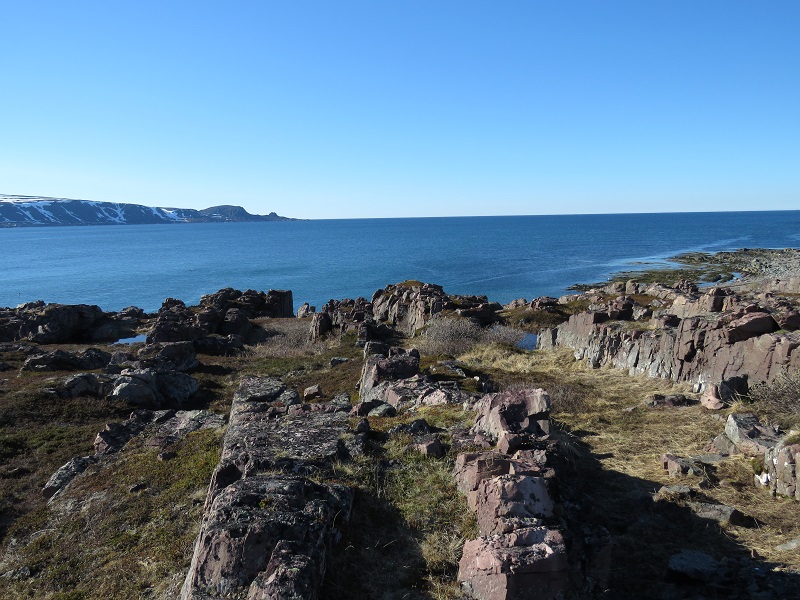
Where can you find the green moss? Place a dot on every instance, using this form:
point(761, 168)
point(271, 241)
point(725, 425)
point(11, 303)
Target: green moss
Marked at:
point(123, 539)
point(758, 465)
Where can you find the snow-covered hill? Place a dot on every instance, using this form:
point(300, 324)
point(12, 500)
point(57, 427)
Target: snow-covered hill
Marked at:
point(26, 211)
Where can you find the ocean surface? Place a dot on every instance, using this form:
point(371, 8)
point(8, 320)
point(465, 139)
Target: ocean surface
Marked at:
point(502, 257)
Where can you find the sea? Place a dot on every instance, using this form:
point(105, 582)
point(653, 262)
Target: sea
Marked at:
point(504, 258)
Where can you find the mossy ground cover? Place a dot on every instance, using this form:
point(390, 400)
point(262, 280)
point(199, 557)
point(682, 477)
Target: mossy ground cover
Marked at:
point(120, 531)
point(409, 521)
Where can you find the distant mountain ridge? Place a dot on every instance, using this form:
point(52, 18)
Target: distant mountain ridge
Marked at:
point(37, 211)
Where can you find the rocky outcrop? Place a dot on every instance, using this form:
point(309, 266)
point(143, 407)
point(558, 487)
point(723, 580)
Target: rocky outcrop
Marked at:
point(66, 323)
point(518, 555)
point(715, 338)
point(168, 356)
point(226, 313)
point(408, 306)
point(345, 316)
point(780, 470)
point(60, 360)
point(149, 388)
point(394, 378)
point(268, 527)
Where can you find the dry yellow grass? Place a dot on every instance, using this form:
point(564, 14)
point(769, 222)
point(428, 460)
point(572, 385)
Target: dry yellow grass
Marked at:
point(614, 445)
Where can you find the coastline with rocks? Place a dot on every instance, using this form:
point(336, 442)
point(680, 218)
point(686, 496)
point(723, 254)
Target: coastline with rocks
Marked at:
point(289, 446)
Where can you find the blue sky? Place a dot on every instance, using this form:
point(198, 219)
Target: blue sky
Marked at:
point(397, 109)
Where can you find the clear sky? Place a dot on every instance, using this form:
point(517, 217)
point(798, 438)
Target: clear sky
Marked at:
point(326, 109)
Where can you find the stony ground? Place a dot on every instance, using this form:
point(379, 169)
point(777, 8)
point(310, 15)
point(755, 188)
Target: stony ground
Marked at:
point(127, 530)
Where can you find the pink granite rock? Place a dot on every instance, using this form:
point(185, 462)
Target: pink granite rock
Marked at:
point(529, 564)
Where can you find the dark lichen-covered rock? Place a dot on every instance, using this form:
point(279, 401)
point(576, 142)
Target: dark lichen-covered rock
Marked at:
point(60, 360)
point(168, 356)
point(267, 527)
point(147, 388)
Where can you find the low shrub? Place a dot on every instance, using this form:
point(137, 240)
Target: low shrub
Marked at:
point(287, 338)
point(779, 400)
point(454, 336)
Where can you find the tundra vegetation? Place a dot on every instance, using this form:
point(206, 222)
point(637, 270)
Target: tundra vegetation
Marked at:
point(127, 530)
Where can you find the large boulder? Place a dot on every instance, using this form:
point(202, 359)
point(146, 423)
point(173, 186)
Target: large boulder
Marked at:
point(175, 322)
point(408, 306)
point(517, 412)
point(749, 435)
point(169, 356)
point(147, 388)
point(61, 360)
point(400, 364)
point(85, 384)
point(780, 471)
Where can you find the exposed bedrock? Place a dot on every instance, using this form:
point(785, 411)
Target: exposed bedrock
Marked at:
point(717, 340)
point(408, 306)
point(401, 308)
point(268, 527)
point(224, 313)
point(391, 376)
point(521, 552)
point(61, 323)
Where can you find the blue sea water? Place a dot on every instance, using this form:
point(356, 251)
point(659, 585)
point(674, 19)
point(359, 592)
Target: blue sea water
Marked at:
point(502, 257)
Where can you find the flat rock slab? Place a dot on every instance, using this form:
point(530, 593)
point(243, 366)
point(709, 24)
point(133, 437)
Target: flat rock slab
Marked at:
point(267, 528)
point(266, 537)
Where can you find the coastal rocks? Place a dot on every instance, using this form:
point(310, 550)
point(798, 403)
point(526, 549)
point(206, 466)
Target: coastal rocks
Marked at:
point(85, 384)
point(268, 527)
point(395, 379)
point(502, 415)
point(275, 304)
point(718, 339)
point(347, 316)
point(748, 435)
point(517, 555)
point(780, 470)
point(175, 322)
point(148, 388)
point(305, 310)
point(219, 345)
point(266, 537)
point(399, 364)
point(531, 563)
point(168, 356)
point(408, 306)
point(65, 323)
point(226, 313)
point(321, 324)
point(60, 360)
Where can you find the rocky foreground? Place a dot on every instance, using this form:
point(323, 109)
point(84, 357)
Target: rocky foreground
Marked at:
point(316, 457)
